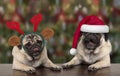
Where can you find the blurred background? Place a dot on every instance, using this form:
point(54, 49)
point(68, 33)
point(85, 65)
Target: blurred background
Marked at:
point(61, 15)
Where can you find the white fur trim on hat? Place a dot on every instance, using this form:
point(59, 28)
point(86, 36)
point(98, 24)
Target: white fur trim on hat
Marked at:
point(95, 28)
point(73, 51)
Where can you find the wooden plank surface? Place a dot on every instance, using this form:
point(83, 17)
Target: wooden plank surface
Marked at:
point(114, 70)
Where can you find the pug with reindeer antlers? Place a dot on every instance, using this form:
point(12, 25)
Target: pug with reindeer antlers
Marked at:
point(29, 49)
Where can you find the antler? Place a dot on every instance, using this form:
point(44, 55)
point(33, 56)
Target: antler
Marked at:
point(35, 20)
point(14, 26)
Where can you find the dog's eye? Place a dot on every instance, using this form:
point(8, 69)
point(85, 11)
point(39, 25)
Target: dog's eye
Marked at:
point(27, 45)
point(98, 35)
point(92, 41)
point(39, 42)
point(85, 33)
point(86, 41)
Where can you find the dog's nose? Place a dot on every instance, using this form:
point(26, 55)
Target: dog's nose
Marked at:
point(90, 44)
point(35, 49)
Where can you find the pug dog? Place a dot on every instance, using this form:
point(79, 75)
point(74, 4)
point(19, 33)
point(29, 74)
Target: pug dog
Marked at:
point(30, 51)
point(93, 49)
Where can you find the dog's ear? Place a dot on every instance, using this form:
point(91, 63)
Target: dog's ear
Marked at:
point(106, 36)
point(14, 41)
point(47, 33)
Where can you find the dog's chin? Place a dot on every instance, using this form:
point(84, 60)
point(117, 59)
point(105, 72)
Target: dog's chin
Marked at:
point(36, 57)
point(90, 46)
point(89, 49)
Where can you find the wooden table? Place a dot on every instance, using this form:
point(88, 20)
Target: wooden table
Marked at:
point(114, 70)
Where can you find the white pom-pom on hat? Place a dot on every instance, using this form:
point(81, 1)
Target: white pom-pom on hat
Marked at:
point(73, 51)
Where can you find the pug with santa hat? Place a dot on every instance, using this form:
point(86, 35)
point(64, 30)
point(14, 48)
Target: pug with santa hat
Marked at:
point(91, 44)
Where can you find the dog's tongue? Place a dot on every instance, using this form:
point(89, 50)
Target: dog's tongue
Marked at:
point(35, 49)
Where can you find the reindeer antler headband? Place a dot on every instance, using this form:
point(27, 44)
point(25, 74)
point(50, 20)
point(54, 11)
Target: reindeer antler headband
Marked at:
point(46, 34)
point(35, 20)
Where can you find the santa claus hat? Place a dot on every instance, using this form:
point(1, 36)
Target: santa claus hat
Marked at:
point(90, 24)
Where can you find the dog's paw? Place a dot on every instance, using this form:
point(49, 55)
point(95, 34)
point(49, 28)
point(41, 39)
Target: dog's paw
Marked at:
point(56, 68)
point(93, 68)
point(29, 70)
point(67, 66)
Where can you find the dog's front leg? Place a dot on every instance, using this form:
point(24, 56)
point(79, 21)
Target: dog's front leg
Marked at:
point(51, 65)
point(73, 62)
point(20, 56)
point(105, 62)
point(46, 62)
point(23, 67)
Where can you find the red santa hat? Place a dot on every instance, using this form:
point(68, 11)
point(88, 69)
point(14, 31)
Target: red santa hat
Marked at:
point(90, 24)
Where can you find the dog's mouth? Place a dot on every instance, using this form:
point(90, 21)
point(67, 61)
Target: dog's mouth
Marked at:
point(33, 50)
point(36, 52)
point(91, 40)
point(90, 46)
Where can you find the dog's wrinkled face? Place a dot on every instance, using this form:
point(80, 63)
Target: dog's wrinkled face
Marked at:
point(33, 44)
point(91, 40)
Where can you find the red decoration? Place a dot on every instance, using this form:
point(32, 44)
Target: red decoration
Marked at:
point(17, 16)
point(12, 1)
point(61, 15)
point(116, 11)
point(103, 17)
point(35, 20)
point(96, 2)
point(2, 19)
point(14, 26)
